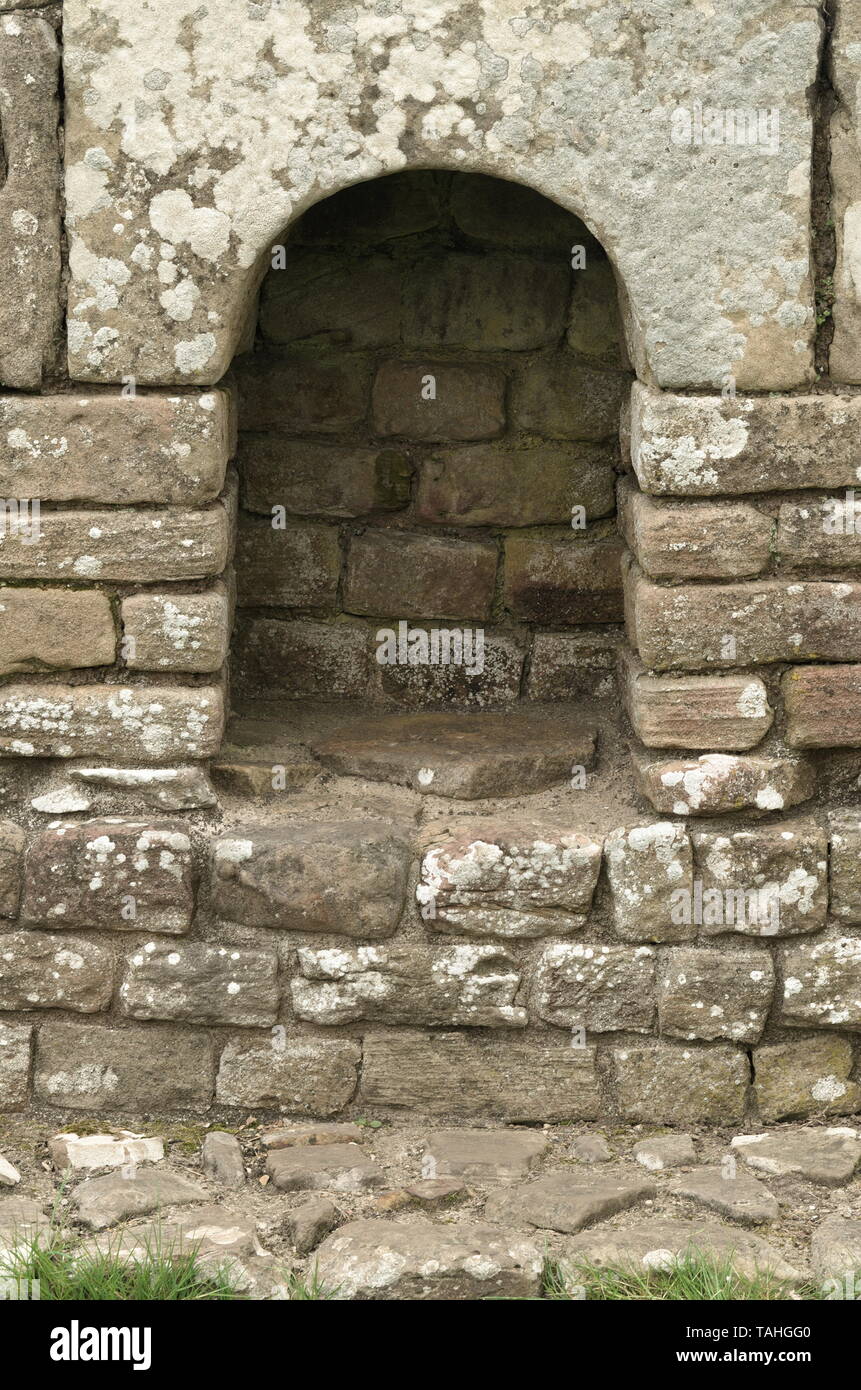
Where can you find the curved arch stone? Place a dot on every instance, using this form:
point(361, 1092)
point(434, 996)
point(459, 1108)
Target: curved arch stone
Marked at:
point(196, 132)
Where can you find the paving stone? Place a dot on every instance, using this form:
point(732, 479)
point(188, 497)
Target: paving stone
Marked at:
point(667, 1083)
point(590, 1148)
point(308, 479)
point(116, 875)
point(214, 1233)
point(345, 877)
point(497, 485)
point(307, 1076)
point(395, 573)
point(43, 970)
point(75, 1151)
point(658, 1245)
point(827, 1156)
point(821, 705)
point(464, 756)
point(9, 1175)
point(342, 1167)
point(102, 1202)
point(467, 985)
point(50, 629)
point(291, 1135)
point(15, 1044)
point(844, 865)
point(21, 1221)
point(308, 1224)
point(770, 880)
point(710, 994)
point(739, 1198)
point(201, 983)
point(665, 1151)
point(727, 712)
point(221, 1158)
point(134, 722)
point(563, 1201)
point(468, 401)
point(388, 1260)
point(470, 1077)
point(157, 788)
point(82, 1066)
point(12, 840)
point(718, 783)
point(594, 986)
point(835, 1253)
point(647, 867)
point(484, 1154)
point(808, 1077)
point(433, 1192)
point(515, 878)
point(822, 984)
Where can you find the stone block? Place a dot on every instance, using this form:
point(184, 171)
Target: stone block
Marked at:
point(820, 534)
point(497, 485)
point(765, 881)
point(648, 867)
point(595, 328)
point(695, 540)
point(15, 1047)
point(438, 401)
point(150, 724)
point(599, 988)
point(327, 661)
point(565, 665)
point(822, 984)
point(297, 567)
point(793, 1080)
point(376, 211)
point(12, 841)
point(471, 667)
point(718, 783)
point(313, 479)
point(723, 712)
point(485, 303)
point(81, 1066)
point(332, 298)
point(513, 215)
point(199, 982)
point(845, 866)
point(823, 705)
point(60, 629)
point(172, 631)
point(393, 573)
point(304, 1076)
point(563, 580)
point(120, 544)
point(562, 398)
point(670, 1084)
point(711, 994)
point(40, 970)
point(304, 394)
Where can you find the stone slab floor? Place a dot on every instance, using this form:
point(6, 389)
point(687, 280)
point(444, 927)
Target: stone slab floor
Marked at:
point(414, 1211)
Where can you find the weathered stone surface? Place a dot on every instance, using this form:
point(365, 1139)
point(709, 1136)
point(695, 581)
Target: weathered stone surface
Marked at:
point(484, 303)
point(30, 264)
point(40, 970)
point(820, 534)
point(844, 358)
point(12, 841)
point(307, 1224)
point(15, 1043)
point(309, 479)
point(566, 580)
point(698, 446)
point(422, 1262)
point(665, 1151)
point(159, 788)
point(497, 485)
point(468, 756)
point(770, 881)
point(176, 632)
point(294, 567)
point(647, 867)
point(726, 625)
point(346, 877)
point(302, 393)
point(596, 987)
point(594, 323)
point(739, 1198)
point(563, 1201)
point(487, 1155)
point(140, 723)
point(467, 986)
point(201, 983)
point(590, 1148)
point(467, 401)
point(844, 865)
point(716, 783)
point(710, 994)
point(113, 449)
point(75, 1151)
point(341, 1167)
point(331, 298)
point(103, 1202)
point(659, 1245)
point(113, 874)
point(728, 712)
point(83, 1066)
point(120, 544)
point(567, 399)
point(567, 664)
point(827, 1156)
point(509, 879)
point(61, 801)
point(21, 1221)
point(822, 984)
point(221, 1158)
point(54, 629)
point(9, 1175)
point(308, 1076)
point(304, 659)
point(667, 1083)
point(472, 668)
point(822, 706)
point(451, 1074)
point(286, 1136)
point(695, 540)
point(394, 573)
point(808, 1077)
point(835, 1253)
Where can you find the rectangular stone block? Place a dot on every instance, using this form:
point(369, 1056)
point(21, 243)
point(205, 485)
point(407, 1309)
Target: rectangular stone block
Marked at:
point(120, 544)
point(12, 841)
point(15, 1047)
point(333, 298)
point(308, 479)
point(438, 401)
point(302, 394)
point(468, 1077)
point(721, 712)
point(648, 866)
point(485, 303)
point(563, 398)
point(699, 446)
point(695, 540)
point(725, 625)
point(845, 865)
point(822, 984)
point(106, 448)
point(793, 1080)
point(198, 982)
point(820, 534)
point(844, 357)
point(394, 573)
point(565, 580)
point(466, 667)
point(303, 1076)
point(823, 706)
point(294, 567)
point(670, 1084)
point(564, 665)
point(717, 784)
point(344, 877)
point(41, 629)
point(173, 631)
point(497, 485)
point(149, 724)
point(82, 1066)
point(295, 660)
point(595, 987)
point(712, 994)
point(770, 880)
point(110, 875)
point(40, 970)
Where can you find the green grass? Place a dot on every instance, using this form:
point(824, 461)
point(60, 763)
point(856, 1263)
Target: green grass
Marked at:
point(694, 1279)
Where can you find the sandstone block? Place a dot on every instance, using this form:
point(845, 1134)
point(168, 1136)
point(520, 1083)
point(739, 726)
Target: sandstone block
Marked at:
point(822, 984)
point(595, 326)
point(12, 841)
point(120, 544)
point(497, 485)
point(667, 1083)
point(44, 629)
point(826, 1156)
point(102, 1202)
point(176, 632)
point(562, 1201)
point(393, 573)
point(741, 1198)
point(221, 1158)
point(201, 983)
point(717, 783)
point(15, 1045)
point(722, 712)
point(845, 866)
point(485, 303)
point(647, 867)
point(822, 706)
point(564, 665)
point(308, 479)
point(438, 401)
point(332, 299)
point(303, 394)
point(563, 398)
point(339, 1167)
point(794, 1080)
point(820, 534)
point(476, 668)
point(83, 1066)
point(327, 660)
point(305, 1076)
point(40, 970)
point(518, 217)
point(296, 568)
point(663, 1244)
point(564, 580)
point(695, 540)
point(138, 723)
point(596, 987)
point(770, 881)
point(487, 1155)
point(709, 994)
point(159, 788)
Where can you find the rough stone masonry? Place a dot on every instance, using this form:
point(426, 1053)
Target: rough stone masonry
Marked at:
point(336, 337)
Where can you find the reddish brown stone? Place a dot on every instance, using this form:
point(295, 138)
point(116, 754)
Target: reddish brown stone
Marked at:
point(823, 706)
point(563, 581)
point(392, 573)
point(468, 401)
point(297, 567)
